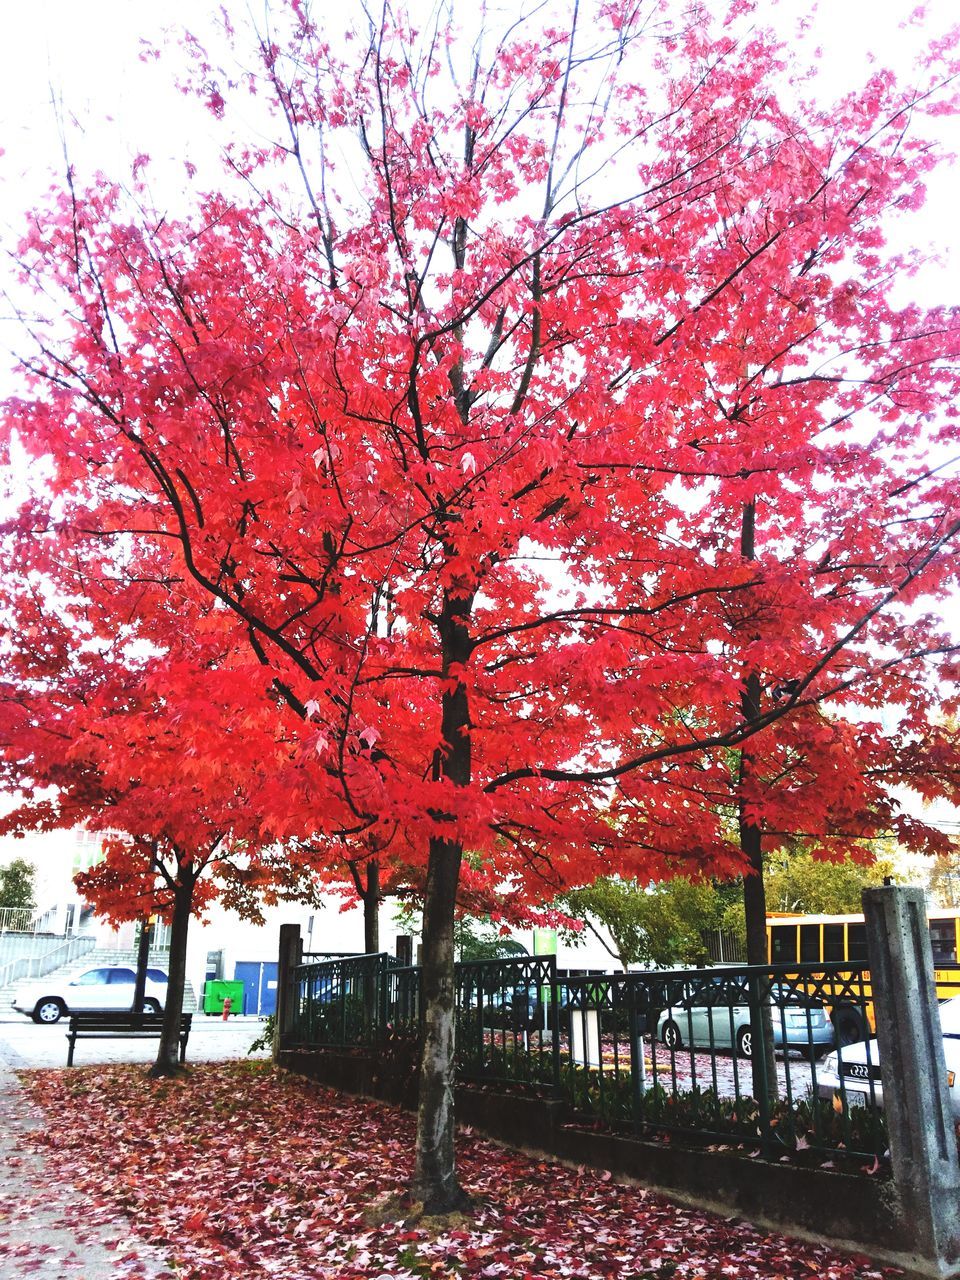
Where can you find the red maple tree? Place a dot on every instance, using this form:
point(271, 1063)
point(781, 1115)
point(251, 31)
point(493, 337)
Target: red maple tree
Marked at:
point(152, 748)
point(550, 436)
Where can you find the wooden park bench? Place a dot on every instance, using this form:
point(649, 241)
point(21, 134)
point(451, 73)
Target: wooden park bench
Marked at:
point(102, 1026)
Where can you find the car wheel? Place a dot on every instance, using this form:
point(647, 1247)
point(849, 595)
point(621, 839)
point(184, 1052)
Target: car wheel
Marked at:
point(49, 1010)
point(745, 1043)
point(671, 1036)
point(151, 1006)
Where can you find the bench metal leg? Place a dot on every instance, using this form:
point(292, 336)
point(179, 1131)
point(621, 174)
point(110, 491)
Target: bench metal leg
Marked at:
point(73, 1045)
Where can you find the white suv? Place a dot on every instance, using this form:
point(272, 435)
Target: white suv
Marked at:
point(859, 1066)
point(104, 989)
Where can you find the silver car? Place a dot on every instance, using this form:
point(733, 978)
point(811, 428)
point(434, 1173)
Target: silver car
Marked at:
point(716, 1014)
point(104, 989)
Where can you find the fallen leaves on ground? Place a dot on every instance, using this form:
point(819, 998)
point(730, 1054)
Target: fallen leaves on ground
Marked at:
point(242, 1170)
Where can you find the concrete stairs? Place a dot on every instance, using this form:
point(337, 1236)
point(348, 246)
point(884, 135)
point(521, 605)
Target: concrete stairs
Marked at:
point(97, 959)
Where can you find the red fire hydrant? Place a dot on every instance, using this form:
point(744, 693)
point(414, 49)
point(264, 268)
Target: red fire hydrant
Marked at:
point(227, 1005)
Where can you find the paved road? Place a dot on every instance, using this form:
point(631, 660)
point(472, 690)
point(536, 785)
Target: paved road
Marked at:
point(25, 1044)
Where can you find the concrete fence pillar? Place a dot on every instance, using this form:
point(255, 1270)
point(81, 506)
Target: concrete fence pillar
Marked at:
point(916, 1102)
point(291, 955)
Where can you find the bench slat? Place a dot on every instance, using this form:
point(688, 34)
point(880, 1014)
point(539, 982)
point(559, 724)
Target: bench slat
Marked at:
point(92, 1025)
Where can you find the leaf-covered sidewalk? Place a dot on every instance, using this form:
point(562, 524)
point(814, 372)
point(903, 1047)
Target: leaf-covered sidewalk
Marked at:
point(239, 1170)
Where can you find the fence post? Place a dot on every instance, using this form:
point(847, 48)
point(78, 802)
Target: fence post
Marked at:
point(764, 1063)
point(555, 1023)
point(384, 978)
point(291, 954)
point(916, 1102)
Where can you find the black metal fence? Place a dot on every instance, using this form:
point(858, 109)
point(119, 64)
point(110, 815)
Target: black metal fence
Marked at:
point(658, 1053)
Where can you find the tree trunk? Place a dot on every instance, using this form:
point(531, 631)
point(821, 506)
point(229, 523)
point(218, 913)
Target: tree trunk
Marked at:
point(143, 959)
point(435, 1177)
point(370, 896)
point(754, 896)
point(371, 909)
point(755, 913)
point(168, 1054)
point(751, 846)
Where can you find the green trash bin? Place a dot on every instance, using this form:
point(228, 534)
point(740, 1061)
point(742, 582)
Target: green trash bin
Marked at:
point(214, 994)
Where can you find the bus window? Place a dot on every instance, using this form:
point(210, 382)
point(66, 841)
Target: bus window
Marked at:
point(833, 942)
point(857, 943)
point(809, 943)
point(943, 939)
point(783, 944)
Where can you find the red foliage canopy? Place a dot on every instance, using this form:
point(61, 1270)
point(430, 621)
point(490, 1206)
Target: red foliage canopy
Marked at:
point(558, 415)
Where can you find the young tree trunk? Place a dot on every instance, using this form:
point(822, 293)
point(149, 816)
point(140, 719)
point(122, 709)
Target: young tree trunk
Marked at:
point(143, 959)
point(371, 908)
point(370, 896)
point(435, 1177)
point(754, 897)
point(755, 912)
point(168, 1054)
point(764, 1063)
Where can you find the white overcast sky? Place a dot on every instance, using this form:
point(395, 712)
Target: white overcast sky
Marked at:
point(85, 53)
point(79, 59)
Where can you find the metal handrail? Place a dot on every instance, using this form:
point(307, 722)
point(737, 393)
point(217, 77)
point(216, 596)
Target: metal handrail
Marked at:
point(19, 920)
point(26, 967)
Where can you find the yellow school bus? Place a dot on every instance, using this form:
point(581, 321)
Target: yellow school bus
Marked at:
point(835, 939)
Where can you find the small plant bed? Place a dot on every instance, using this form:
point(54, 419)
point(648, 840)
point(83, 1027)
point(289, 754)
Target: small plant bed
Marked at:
point(807, 1131)
point(802, 1129)
point(242, 1170)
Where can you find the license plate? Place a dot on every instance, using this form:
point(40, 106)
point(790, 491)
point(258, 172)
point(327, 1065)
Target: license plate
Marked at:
point(855, 1099)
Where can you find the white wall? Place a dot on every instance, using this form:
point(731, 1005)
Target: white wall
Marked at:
point(240, 940)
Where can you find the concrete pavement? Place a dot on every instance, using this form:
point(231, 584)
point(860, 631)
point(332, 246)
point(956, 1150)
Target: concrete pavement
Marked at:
point(24, 1044)
point(46, 1228)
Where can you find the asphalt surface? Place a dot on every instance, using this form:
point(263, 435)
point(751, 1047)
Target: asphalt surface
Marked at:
point(25, 1044)
point(46, 1229)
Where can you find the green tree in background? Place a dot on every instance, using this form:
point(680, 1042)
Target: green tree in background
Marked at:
point(16, 884)
point(662, 925)
point(798, 882)
point(476, 938)
point(668, 924)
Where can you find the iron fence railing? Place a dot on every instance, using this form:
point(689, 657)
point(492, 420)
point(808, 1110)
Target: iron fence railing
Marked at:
point(404, 1008)
point(671, 1053)
point(343, 1001)
point(507, 1028)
